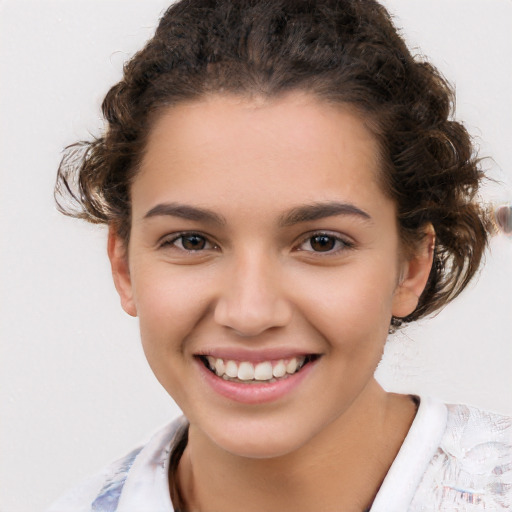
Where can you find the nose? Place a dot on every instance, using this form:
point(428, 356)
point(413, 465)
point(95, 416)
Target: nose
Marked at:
point(252, 300)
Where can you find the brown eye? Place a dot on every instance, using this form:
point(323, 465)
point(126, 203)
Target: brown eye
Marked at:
point(188, 243)
point(322, 243)
point(193, 242)
point(325, 243)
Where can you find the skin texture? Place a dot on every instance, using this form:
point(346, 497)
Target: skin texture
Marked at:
point(258, 283)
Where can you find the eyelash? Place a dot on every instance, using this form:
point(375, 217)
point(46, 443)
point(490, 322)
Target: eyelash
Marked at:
point(170, 241)
point(340, 244)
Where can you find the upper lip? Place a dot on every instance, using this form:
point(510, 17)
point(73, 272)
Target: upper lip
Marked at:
point(256, 355)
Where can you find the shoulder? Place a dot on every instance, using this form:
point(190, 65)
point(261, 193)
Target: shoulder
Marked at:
point(472, 466)
point(104, 485)
point(144, 467)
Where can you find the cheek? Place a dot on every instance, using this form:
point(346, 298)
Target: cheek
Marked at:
point(169, 306)
point(351, 306)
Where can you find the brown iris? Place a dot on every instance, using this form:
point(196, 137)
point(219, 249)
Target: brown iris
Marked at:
point(322, 243)
point(193, 242)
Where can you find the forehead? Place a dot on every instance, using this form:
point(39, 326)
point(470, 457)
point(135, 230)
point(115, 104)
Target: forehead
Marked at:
point(294, 147)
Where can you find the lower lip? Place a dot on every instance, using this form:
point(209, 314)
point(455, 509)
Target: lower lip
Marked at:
point(255, 393)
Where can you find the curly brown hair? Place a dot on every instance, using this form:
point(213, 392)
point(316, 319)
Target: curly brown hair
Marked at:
point(341, 51)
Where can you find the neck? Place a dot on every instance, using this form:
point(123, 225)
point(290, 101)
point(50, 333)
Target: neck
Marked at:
point(340, 469)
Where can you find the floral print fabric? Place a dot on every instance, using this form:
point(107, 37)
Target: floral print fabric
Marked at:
point(455, 457)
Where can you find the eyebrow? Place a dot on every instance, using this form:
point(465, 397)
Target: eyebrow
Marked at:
point(186, 212)
point(305, 213)
point(318, 211)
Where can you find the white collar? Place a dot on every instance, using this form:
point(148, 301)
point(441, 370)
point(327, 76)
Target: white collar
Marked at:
point(421, 443)
point(147, 484)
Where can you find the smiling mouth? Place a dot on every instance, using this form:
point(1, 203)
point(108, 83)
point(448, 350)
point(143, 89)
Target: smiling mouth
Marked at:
point(256, 373)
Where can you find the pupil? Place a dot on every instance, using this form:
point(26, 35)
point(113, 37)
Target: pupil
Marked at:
point(193, 242)
point(322, 243)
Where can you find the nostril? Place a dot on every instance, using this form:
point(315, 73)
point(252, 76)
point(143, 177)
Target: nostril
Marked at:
point(251, 318)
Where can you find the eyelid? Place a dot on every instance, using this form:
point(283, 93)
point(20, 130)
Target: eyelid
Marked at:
point(347, 243)
point(169, 240)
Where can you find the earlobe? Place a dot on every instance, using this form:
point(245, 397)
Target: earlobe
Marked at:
point(117, 254)
point(414, 276)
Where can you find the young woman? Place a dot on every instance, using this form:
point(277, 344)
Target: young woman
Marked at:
point(283, 185)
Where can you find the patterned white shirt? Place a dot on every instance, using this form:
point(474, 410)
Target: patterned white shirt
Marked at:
point(454, 457)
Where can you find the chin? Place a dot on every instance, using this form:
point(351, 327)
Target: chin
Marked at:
point(257, 439)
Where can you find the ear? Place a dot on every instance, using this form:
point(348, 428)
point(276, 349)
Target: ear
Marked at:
point(117, 253)
point(414, 275)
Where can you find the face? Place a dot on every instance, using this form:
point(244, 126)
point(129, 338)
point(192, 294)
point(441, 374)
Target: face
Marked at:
point(264, 265)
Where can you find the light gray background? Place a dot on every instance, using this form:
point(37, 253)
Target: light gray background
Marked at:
point(75, 390)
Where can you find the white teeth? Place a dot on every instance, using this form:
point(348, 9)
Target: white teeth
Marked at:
point(279, 370)
point(211, 362)
point(246, 371)
point(291, 367)
point(219, 366)
point(231, 369)
point(263, 371)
